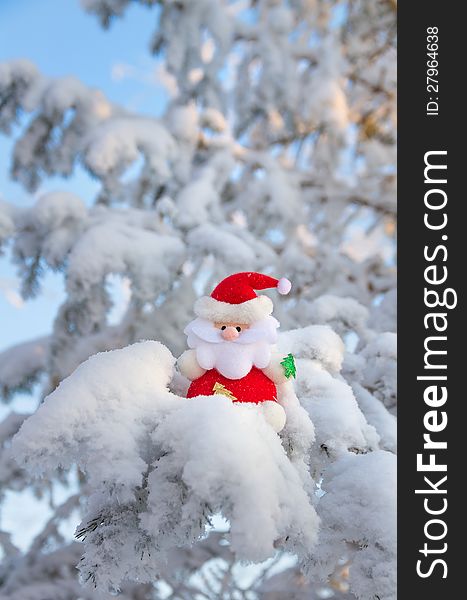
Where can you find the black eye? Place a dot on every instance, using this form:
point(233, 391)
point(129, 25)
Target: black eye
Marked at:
point(238, 329)
point(223, 327)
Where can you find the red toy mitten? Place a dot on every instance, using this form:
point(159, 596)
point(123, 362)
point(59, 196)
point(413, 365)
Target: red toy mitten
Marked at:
point(232, 345)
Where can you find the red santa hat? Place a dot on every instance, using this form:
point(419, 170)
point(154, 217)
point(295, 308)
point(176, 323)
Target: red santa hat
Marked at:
point(235, 299)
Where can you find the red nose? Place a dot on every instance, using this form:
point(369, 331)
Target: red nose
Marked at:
point(229, 334)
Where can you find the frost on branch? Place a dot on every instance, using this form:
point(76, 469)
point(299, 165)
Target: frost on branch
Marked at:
point(72, 122)
point(21, 366)
point(159, 466)
point(375, 368)
point(340, 425)
point(342, 314)
point(358, 490)
point(97, 416)
point(378, 415)
point(59, 232)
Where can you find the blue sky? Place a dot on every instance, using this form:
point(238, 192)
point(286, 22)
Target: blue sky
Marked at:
point(61, 39)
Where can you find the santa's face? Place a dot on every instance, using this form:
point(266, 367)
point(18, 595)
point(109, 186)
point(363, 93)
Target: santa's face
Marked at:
point(231, 330)
point(230, 347)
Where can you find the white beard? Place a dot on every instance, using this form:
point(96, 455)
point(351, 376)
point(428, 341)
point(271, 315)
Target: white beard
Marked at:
point(233, 359)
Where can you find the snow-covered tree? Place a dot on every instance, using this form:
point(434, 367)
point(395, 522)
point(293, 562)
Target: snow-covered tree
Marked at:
point(276, 153)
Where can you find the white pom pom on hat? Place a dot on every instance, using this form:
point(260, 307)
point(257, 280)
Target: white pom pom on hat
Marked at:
point(284, 286)
point(234, 298)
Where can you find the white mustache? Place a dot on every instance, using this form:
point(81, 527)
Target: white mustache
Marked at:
point(201, 329)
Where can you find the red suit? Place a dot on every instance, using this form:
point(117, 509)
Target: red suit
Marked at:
point(255, 387)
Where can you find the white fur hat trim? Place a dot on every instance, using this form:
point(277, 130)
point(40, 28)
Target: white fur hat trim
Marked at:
point(246, 312)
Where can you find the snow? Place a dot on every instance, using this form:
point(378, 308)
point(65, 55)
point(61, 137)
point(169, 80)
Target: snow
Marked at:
point(115, 145)
point(233, 462)
point(9, 470)
point(18, 73)
point(159, 465)
point(298, 435)
point(112, 245)
point(197, 200)
point(359, 489)
point(339, 422)
point(62, 94)
point(183, 122)
point(377, 415)
point(380, 371)
point(384, 315)
point(340, 313)
point(225, 245)
point(214, 119)
point(318, 342)
point(326, 95)
point(54, 223)
point(21, 365)
point(97, 416)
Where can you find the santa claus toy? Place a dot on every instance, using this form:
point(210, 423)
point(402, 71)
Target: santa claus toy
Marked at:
point(233, 345)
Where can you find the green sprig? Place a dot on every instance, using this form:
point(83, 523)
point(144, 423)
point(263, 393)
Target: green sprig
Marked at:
point(288, 364)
